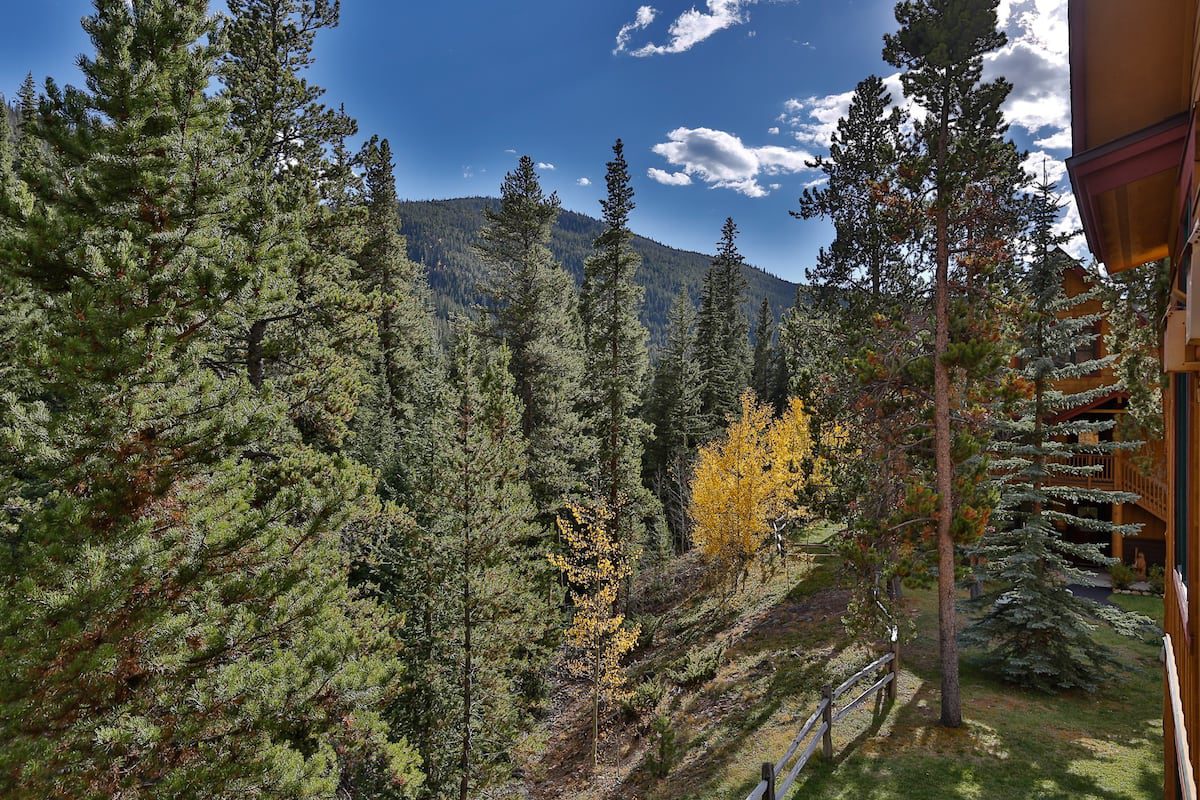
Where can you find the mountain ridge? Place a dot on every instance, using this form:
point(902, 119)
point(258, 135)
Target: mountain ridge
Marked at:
point(441, 235)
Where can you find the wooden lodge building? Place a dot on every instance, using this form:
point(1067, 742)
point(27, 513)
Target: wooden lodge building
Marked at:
point(1135, 81)
point(1141, 472)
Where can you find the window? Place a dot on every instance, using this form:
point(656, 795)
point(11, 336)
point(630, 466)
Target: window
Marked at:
point(1182, 439)
point(1088, 350)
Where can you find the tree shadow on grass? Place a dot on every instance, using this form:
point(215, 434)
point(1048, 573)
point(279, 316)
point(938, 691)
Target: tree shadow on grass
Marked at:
point(735, 712)
point(920, 760)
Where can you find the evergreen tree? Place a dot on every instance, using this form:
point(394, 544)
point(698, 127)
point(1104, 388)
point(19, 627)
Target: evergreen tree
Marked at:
point(307, 327)
point(763, 372)
point(174, 604)
point(863, 267)
point(674, 413)
point(399, 431)
point(488, 537)
point(1036, 632)
point(532, 307)
point(405, 357)
point(849, 349)
point(723, 333)
point(615, 343)
point(960, 176)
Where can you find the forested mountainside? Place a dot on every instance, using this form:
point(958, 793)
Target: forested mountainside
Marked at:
point(441, 235)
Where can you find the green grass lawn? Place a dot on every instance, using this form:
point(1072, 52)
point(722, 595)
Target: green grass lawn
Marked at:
point(1015, 744)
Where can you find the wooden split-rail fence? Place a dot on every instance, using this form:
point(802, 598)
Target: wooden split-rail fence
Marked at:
point(829, 711)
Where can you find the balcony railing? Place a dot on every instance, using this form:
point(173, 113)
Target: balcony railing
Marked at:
point(1142, 473)
point(1101, 472)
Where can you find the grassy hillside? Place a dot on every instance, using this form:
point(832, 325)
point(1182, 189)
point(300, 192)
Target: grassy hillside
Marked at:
point(441, 234)
point(737, 675)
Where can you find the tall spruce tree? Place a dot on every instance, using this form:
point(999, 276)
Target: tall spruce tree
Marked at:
point(673, 411)
point(494, 550)
point(763, 372)
point(615, 342)
point(405, 358)
point(533, 308)
point(960, 175)
point(723, 344)
point(863, 266)
point(399, 431)
point(1034, 630)
point(174, 604)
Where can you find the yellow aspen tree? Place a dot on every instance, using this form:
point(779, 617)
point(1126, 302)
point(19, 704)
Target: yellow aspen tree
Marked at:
point(595, 564)
point(749, 484)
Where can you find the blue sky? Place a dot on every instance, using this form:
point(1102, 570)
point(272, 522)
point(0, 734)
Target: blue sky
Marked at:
point(720, 102)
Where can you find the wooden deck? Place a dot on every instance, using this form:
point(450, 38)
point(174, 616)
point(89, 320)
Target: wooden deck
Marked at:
point(1142, 473)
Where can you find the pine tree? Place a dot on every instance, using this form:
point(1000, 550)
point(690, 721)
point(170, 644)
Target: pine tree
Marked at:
point(307, 327)
point(961, 175)
point(615, 343)
point(723, 333)
point(595, 565)
point(850, 348)
point(175, 610)
point(488, 535)
point(763, 372)
point(673, 411)
point(405, 357)
point(533, 309)
point(863, 267)
point(399, 430)
point(1036, 632)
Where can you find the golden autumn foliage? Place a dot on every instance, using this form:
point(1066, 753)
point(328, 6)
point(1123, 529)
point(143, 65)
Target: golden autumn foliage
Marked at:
point(750, 483)
point(595, 564)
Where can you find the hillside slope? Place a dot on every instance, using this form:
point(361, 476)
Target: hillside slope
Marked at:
point(441, 234)
point(736, 674)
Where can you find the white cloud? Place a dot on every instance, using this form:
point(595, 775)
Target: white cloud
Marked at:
point(1035, 61)
point(814, 119)
point(511, 151)
point(1041, 165)
point(467, 172)
point(645, 16)
point(773, 130)
point(669, 178)
point(694, 26)
point(1059, 140)
point(545, 165)
point(584, 182)
point(722, 160)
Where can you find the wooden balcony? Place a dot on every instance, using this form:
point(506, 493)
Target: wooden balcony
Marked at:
point(1142, 473)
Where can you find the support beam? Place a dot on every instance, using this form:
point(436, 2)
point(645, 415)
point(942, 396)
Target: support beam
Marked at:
point(1118, 541)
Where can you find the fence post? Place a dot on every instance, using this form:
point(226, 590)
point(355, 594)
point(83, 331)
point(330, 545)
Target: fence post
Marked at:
point(827, 718)
point(768, 775)
point(895, 665)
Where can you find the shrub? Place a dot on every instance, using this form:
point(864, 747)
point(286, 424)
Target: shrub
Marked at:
point(1155, 578)
point(1122, 575)
point(643, 699)
point(698, 668)
point(664, 748)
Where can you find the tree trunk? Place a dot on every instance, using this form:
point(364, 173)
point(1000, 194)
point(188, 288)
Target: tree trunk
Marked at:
point(254, 352)
point(947, 615)
point(596, 709)
point(465, 759)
